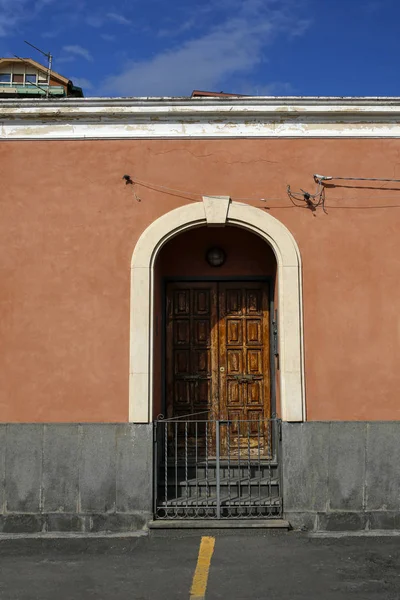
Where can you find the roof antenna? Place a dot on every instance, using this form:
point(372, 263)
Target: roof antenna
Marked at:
point(49, 64)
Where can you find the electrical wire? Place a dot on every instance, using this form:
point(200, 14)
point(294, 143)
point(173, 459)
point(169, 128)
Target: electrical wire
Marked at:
point(322, 178)
point(159, 187)
point(301, 199)
point(312, 201)
point(367, 179)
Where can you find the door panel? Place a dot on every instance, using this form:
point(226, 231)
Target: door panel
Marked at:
point(244, 365)
point(191, 349)
point(218, 358)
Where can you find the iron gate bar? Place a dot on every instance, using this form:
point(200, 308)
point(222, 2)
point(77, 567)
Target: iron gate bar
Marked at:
point(166, 463)
point(218, 474)
point(258, 450)
point(248, 460)
point(176, 459)
point(199, 474)
point(186, 461)
point(239, 465)
point(197, 479)
point(207, 486)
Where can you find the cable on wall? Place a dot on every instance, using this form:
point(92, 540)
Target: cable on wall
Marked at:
point(194, 196)
point(321, 178)
point(313, 201)
point(308, 200)
point(300, 199)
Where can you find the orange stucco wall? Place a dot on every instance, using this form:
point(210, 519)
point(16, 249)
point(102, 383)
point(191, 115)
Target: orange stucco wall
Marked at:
point(69, 225)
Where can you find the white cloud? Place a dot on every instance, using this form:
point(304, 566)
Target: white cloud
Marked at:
point(234, 47)
point(300, 27)
point(108, 37)
point(14, 13)
point(50, 34)
point(275, 88)
point(31, 16)
point(98, 20)
point(82, 82)
point(94, 20)
point(6, 25)
point(64, 59)
point(178, 29)
point(118, 18)
point(373, 6)
point(42, 4)
point(76, 50)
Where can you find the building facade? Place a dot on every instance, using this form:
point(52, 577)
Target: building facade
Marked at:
point(26, 78)
point(202, 284)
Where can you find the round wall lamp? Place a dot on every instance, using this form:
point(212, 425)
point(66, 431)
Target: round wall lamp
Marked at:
point(215, 257)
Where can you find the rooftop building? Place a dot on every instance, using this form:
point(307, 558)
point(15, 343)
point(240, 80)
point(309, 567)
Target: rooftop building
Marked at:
point(24, 77)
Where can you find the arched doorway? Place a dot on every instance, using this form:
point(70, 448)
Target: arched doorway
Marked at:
point(214, 347)
point(288, 301)
point(202, 354)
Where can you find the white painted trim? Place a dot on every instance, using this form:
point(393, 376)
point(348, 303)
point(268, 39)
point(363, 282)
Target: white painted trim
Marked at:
point(169, 118)
point(201, 129)
point(289, 303)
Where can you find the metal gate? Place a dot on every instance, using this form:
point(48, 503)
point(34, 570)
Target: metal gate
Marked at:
point(217, 469)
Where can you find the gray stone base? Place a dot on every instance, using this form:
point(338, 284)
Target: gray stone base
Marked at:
point(345, 521)
point(220, 524)
point(93, 478)
point(78, 523)
point(82, 478)
point(341, 476)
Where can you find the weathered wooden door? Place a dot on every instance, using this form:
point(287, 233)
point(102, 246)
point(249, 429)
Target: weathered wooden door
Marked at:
point(192, 350)
point(244, 365)
point(217, 357)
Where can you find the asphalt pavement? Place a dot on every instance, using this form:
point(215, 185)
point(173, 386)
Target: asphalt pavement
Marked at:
point(244, 565)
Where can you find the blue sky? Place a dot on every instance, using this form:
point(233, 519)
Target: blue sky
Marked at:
point(261, 47)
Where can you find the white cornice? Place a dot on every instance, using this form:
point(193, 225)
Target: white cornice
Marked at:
point(105, 118)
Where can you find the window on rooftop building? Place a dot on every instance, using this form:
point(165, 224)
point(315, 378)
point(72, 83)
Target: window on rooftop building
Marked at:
point(42, 78)
point(30, 78)
point(5, 78)
point(18, 78)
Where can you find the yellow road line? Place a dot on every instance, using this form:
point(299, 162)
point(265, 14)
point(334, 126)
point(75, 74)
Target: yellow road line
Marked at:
point(200, 577)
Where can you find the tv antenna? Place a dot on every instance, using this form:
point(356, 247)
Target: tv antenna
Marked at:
point(49, 57)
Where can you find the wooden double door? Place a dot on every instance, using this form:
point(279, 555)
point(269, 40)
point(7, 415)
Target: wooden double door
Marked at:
point(218, 352)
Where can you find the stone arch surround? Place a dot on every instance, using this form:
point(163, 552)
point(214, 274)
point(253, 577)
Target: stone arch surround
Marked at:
point(217, 212)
